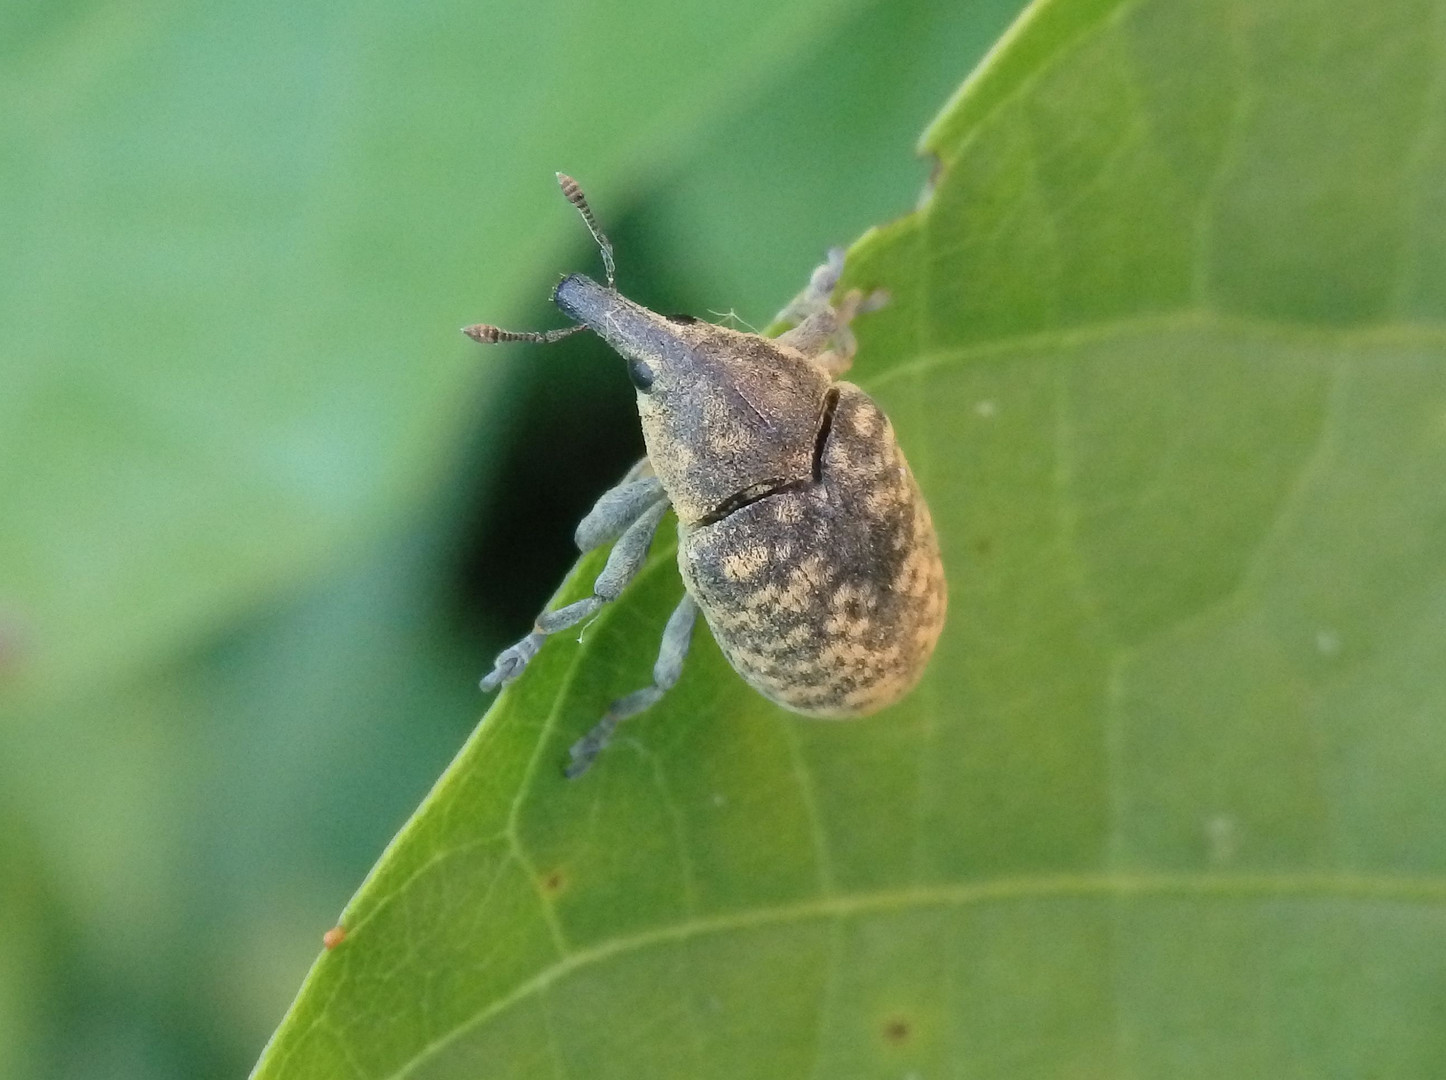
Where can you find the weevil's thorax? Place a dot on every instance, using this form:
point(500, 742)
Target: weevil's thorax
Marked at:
point(724, 414)
point(737, 416)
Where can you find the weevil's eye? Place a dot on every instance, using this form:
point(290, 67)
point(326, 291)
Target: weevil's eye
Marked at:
point(641, 375)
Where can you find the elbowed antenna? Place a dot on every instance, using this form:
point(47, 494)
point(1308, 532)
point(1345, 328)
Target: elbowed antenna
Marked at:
point(492, 335)
point(572, 192)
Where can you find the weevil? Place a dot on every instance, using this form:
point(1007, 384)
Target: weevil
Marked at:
point(803, 537)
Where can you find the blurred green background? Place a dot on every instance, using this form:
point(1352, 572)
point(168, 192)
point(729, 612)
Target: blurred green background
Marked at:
point(264, 514)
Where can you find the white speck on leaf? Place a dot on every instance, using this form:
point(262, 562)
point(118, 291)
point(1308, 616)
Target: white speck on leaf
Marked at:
point(1222, 839)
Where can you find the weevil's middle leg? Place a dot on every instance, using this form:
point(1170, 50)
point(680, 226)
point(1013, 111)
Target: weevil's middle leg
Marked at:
point(677, 636)
point(624, 562)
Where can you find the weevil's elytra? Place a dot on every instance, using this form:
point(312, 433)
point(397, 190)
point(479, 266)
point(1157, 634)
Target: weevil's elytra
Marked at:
point(827, 597)
point(802, 536)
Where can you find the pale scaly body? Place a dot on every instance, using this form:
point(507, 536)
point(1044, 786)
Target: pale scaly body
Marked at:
point(827, 598)
point(804, 539)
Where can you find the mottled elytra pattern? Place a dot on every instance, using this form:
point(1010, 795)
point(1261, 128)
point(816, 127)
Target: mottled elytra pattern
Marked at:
point(827, 597)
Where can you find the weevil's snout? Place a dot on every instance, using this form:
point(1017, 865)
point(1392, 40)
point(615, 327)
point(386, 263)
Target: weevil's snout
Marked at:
point(578, 295)
point(651, 344)
point(584, 301)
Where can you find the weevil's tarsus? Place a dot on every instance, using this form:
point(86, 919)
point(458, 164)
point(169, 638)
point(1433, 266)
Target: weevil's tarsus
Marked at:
point(493, 335)
point(572, 192)
point(618, 508)
point(624, 562)
point(677, 636)
point(550, 622)
point(825, 430)
point(511, 660)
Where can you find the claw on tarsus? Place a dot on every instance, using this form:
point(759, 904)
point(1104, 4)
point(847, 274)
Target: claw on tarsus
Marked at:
point(511, 661)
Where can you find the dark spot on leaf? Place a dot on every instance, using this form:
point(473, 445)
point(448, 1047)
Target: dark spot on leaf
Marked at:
point(567, 431)
point(897, 1030)
point(983, 546)
point(554, 882)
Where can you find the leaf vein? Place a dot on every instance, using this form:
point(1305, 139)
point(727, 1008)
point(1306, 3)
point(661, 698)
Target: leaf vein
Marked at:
point(1118, 887)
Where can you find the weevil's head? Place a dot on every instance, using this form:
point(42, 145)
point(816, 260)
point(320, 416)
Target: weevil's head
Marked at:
point(723, 412)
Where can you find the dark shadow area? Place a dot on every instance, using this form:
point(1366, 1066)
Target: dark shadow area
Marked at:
point(572, 433)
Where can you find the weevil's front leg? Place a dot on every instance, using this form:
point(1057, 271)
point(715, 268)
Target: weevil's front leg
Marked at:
point(677, 636)
point(814, 300)
point(618, 508)
point(822, 331)
point(624, 562)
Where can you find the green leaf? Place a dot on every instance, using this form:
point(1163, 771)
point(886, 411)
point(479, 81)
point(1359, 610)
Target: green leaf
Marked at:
point(1165, 352)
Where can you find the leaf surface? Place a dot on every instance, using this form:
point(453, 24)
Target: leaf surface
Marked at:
point(1166, 353)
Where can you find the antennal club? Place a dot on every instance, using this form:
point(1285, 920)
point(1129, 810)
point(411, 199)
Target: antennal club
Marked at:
point(572, 192)
point(493, 335)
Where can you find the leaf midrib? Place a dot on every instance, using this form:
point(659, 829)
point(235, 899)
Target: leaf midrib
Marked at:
point(1262, 887)
point(832, 905)
point(1042, 343)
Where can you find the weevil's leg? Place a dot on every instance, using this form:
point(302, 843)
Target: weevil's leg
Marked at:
point(624, 562)
point(677, 636)
point(820, 330)
point(814, 299)
point(825, 335)
point(817, 334)
point(511, 660)
point(618, 508)
point(642, 468)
